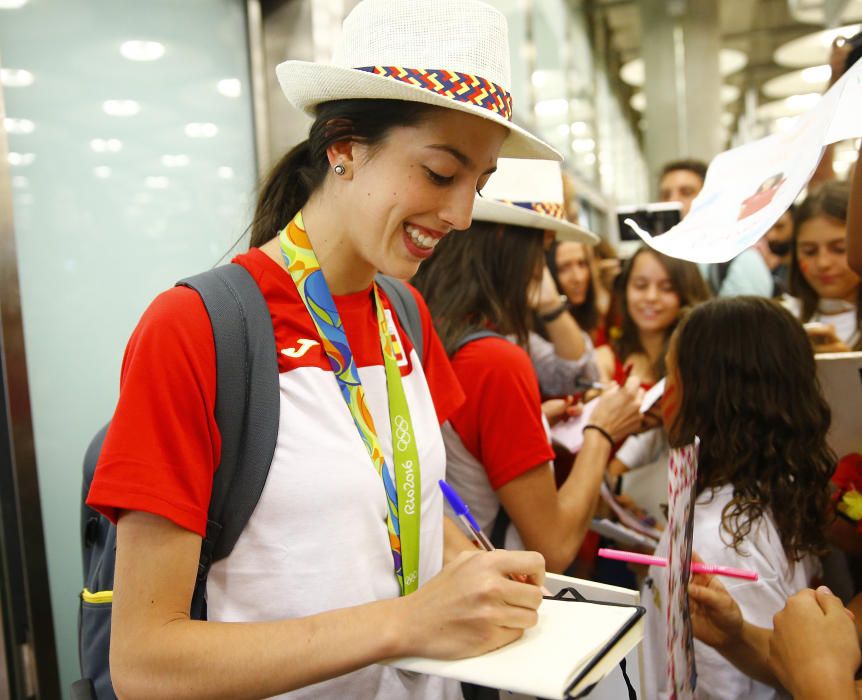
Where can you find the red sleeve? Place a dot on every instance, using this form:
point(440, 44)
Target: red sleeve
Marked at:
point(500, 422)
point(446, 391)
point(163, 444)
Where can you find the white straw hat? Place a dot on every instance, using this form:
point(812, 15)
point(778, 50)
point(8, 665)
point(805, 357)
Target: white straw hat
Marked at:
point(449, 53)
point(529, 193)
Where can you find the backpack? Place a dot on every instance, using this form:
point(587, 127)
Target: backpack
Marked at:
point(247, 414)
point(502, 520)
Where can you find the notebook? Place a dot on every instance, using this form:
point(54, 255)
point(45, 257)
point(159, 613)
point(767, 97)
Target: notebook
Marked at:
point(840, 376)
point(569, 433)
point(621, 534)
point(574, 645)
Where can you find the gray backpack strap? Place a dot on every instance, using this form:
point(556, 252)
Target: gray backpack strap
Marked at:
point(246, 408)
point(475, 335)
point(406, 309)
point(501, 521)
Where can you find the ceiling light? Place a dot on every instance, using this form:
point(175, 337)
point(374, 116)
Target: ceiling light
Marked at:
point(788, 107)
point(201, 130)
point(137, 50)
point(18, 126)
point(589, 158)
point(20, 158)
point(729, 61)
point(729, 93)
point(580, 128)
point(814, 12)
point(230, 87)
point(11, 77)
point(583, 145)
point(797, 81)
point(177, 161)
point(552, 108)
point(816, 74)
point(106, 145)
point(20, 182)
point(156, 182)
point(802, 103)
point(225, 172)
point(846, 154)
point(102, 171)
point(12, 4)
point(785, 124)
point(811, 49)
point(121, 108)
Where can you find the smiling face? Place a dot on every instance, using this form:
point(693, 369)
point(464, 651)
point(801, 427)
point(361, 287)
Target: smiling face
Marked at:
point(650, 297)
point(404, 194)
point(573, 271)
point(822, 255)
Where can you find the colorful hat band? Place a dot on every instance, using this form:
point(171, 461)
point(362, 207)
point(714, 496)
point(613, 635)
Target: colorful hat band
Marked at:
point(552, 209)
point(462, 87)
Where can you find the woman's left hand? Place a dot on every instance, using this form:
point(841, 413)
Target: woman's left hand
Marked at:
point(545, 297)
point(556, 410)
point(715, 616)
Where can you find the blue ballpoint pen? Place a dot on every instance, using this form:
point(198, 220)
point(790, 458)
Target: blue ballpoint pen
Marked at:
point(466, 517)
point(479, 537)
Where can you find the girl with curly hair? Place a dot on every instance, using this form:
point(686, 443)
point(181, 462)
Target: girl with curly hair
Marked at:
point(741, 376)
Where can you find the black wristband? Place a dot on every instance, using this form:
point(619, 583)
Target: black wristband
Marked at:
point(555, 314)
point(604, 432)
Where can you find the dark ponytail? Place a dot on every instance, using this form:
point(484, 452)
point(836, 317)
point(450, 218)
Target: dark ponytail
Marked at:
point(302, 170)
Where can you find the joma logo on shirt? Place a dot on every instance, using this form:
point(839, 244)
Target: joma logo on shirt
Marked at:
point(303, 346)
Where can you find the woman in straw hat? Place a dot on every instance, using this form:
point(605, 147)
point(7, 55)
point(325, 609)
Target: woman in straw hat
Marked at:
point(409, 121)
point(564, 353)
point(478, 287)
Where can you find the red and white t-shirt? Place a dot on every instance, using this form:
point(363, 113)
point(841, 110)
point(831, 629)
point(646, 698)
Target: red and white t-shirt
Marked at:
point(317, 539)
point(499, 433)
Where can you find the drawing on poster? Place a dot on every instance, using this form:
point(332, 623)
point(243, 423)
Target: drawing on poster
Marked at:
point(763, 196)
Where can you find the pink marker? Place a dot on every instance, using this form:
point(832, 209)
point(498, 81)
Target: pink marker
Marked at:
point(650, 560)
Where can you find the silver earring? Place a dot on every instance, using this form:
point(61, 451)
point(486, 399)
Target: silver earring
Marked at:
point(339, 169)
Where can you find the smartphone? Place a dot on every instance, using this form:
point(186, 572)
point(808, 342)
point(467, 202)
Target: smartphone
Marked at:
point(655, 218)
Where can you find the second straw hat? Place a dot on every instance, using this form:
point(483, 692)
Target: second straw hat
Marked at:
point(449, 53)
point(529, 193)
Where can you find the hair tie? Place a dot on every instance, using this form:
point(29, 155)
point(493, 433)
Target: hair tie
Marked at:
point(604, 432)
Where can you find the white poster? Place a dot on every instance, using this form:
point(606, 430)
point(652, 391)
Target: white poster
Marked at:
point(748, 188)
point(682, 483)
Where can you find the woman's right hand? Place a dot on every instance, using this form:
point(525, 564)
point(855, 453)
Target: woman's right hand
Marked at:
point(618, 410)
point(472, 606)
